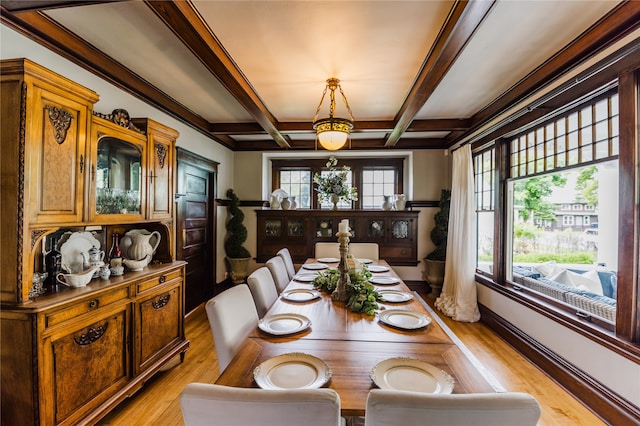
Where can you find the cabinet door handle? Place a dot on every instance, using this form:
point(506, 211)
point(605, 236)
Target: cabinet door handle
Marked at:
point(162, 279)
point(81, 163)
point(93, 173)
point(93, 304)
point(161, 301)
point(92, 335)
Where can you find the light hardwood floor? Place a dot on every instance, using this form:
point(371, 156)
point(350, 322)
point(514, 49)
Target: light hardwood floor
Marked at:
point(157, 402)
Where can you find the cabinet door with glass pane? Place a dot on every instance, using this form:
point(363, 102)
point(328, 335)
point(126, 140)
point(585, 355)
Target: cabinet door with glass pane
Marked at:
point(278, 229)
point(118, 173)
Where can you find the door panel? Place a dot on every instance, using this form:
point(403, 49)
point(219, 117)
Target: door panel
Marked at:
point(196, 229)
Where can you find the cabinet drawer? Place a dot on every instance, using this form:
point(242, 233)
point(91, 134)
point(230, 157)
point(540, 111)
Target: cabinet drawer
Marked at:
point(86, 306)
point(156, 280)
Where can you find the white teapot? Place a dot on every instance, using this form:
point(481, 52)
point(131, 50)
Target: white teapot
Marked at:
point(94, 258)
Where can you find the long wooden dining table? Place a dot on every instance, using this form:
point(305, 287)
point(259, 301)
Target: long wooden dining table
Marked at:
point(352, 344)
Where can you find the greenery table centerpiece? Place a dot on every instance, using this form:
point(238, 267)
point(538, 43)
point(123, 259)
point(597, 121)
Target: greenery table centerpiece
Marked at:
point(363, 297)
point(332, 186)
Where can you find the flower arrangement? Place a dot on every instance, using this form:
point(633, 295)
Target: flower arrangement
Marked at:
point(334, 182)
point(363, 297)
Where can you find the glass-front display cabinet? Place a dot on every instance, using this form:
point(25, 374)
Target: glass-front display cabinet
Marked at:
point(118, 171)
point(118, 181)
point(395, 232)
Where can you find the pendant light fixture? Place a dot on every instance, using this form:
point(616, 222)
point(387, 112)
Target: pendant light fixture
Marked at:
point(332, 133)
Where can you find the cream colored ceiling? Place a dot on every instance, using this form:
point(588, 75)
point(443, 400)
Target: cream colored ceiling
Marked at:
point(287, 49)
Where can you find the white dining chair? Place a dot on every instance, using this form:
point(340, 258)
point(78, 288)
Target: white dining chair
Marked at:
point(279, 273)
point(263, 289)
point(327, 250)
point(364, 250)
point(392, 408)
point(232, 316)
point(215, 405)
point(288, 262)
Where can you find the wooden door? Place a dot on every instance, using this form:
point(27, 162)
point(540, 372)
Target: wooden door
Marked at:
point(195, 226)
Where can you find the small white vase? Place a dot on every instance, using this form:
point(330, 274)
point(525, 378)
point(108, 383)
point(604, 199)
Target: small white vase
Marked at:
point(293, 205)
point(386, 205)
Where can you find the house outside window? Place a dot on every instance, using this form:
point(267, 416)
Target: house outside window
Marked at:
point(538, 235)
point(574, 156)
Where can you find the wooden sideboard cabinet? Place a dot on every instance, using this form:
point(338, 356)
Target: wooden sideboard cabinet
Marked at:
point(299, 230)
point(68, 358)
point(71, 356)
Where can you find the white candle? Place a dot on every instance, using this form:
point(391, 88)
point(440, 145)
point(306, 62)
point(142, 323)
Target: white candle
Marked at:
point(343, 226)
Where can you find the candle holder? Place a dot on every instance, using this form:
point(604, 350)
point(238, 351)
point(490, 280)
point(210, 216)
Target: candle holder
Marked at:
point(340, 294)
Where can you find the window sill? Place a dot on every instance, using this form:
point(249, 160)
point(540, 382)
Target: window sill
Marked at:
point(600, 334)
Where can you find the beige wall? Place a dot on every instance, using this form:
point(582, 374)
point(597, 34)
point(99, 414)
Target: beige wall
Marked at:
point(426, 173)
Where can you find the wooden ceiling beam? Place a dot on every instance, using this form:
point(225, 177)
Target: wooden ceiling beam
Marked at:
point(437, 125)
point(34, 5)
point(48, 33)
point(464, 19)
point(253, 128)
point(187, 24)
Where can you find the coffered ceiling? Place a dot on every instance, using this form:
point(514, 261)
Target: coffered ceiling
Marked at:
point(250, 74)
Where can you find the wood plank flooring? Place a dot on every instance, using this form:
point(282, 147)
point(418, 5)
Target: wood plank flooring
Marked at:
point(157, 402)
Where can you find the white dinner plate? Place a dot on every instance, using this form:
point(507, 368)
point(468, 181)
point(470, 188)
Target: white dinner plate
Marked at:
point(365, 261)
point(377, 268)
point(315, 266)
point(292, 371)
point(300, 295)
point(280, 324)
point(413, 375)
point(394, 296)
point(404, 319)
point(73, 247)
point(305, 278)
point(384, 280)
point(328, 259)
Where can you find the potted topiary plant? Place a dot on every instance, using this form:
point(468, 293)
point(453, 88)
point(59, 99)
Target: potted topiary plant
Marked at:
point(435, 261)
point(237, 255)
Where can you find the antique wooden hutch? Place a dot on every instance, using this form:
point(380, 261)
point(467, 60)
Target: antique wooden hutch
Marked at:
point(69, 357)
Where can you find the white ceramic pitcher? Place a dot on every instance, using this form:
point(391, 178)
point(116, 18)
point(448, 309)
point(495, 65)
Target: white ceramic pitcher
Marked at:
point(139, 243)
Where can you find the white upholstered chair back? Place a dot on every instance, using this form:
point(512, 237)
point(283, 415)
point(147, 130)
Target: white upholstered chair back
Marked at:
point(288, 262)
point(232, 316)
point(215, 405)
point(279, 272)
point(327, 250)
point(392, 408)
point(364, 250)
point(263, 289)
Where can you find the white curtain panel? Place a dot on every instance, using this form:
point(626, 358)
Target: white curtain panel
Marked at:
point(458, 299)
